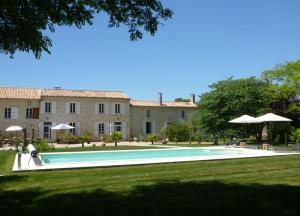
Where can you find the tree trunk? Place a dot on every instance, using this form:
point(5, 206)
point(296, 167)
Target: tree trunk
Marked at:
point(116, 143)
point(82, 144)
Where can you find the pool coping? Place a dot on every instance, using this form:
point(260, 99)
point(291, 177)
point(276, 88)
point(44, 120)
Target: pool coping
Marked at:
point(112, 163)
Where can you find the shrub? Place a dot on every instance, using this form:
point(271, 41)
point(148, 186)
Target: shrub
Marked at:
point(178, 132)
point(88, 136)
point(107, 139)
point(69, 138)
point(116, 136)
point(151, 138)
point(43, 146)
point(198, 137)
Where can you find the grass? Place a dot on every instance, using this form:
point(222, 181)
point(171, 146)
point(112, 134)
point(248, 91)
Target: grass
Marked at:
point(259, 186)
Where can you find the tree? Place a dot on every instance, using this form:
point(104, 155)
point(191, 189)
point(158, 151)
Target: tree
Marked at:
point(23, 22)
point(178, 132)
point(229, 99)
point(116, 136)
point(284, 82)
point(152, 138)
point(182, 100)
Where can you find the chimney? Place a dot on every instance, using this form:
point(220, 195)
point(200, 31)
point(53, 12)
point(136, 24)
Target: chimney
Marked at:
point(160, 100)
point(193, 99)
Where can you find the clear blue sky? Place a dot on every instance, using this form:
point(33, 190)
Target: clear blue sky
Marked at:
point(206, 41)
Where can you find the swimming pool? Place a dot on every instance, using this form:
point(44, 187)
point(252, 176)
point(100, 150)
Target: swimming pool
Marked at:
point(70, 160)
point(133, 155)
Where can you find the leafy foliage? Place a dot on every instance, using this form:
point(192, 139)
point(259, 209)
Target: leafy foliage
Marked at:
point(229, 99)
point(284, 82)
point(295, 135)
point(43, 146)
point(178, 132)
point(68, 138)
point(151, 138)
point(23, 22)
point(86, 137)
point(116, 136)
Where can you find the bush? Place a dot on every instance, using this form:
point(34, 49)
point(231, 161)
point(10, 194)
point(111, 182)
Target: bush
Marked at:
point(178, 132)
point(198, 137)
point(43, 146)
point(151, 138)
point(107, 139)
point(68, 138)
point(116, 136)
point(88, 136)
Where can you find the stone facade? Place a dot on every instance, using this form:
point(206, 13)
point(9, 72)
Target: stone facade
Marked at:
point(97, 112)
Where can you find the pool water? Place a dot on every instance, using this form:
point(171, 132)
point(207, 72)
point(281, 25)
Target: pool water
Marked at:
point(55, 158)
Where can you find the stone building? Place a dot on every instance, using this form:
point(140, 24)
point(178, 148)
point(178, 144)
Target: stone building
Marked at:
point(97, 112)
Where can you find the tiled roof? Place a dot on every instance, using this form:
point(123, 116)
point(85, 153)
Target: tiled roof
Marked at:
point(37, 93)
point(165, 104)
point(20, 93)
point(83, 93)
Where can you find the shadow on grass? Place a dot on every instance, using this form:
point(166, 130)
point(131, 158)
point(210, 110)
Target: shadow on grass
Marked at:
point(201, 198)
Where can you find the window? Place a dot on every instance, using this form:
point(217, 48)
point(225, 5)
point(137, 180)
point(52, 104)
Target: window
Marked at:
point(48, 107)
point(47, 130)
point(117, 109)
point(101, 108)
point(29, 112)
point(73, 131)
point(7, 113)
point(148, 114)
point(72, 108)
point(182, 114)
point(101, 129)
point(118, 126)
point(148, 128)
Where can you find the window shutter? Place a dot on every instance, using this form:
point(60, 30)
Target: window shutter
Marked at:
point(106, 130)
point(112, 108)
point(14, 113)
point(67, 107)
point(122, 107)
point(144, 128)
point(53, 104)
point(77, 108)
point(106, 108)
point(35, 113)
point(42, 107)
point(96, 129)
point(124, 130)
point(96, 108)
point(41, 129)
point(77, 129)
point(153, 129)
point(53, 133)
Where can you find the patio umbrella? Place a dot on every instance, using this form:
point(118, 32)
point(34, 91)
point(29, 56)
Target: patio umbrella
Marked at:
point(14, 128)
point(62, 126)
point(244, 119)
point(271, 117)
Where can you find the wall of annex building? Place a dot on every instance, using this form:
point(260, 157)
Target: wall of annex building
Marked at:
point(159, 117)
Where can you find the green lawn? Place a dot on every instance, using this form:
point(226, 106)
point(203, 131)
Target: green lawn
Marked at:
point(261, 186)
